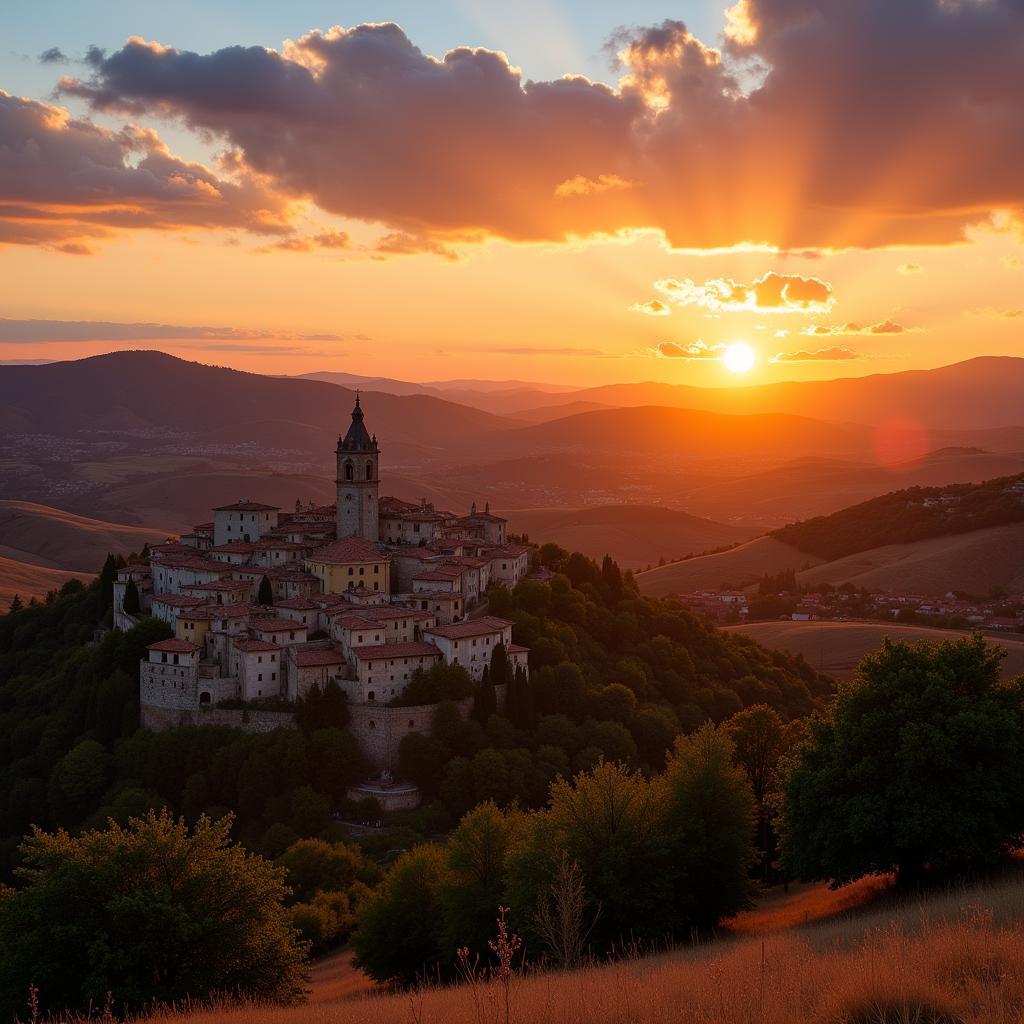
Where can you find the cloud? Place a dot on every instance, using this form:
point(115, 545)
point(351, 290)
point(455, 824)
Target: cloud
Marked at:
point(910, 268)
point(695, 350)
point(652, 307)
point(849, 330)
point(402, 243)
point(583, 186)
point(772, 293)
point(991, 313)
point(819, 355)
point(1013, 263)
point(779, 139)
point(323, 240)
point(54, 55)
point(65, 182)
point(32, 332)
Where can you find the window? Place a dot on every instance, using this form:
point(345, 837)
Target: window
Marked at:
point(204, 698)
point(163, 658)
point(371, 696)
point(273, 676)
point(349, 474)
point(259, 678)
point(369, 471)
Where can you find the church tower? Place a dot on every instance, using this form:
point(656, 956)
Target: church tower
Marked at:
point(358, 481)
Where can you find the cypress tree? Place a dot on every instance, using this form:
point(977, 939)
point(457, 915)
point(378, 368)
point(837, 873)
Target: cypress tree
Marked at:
point(107, 576)
point(485, 701)
point(131, 604)
point(266, 592)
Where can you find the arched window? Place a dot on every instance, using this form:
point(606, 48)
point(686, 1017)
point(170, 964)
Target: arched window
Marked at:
point(349, 471)
point(204, 698)
point(373, 724)
point(371, 696)
point(369, 471)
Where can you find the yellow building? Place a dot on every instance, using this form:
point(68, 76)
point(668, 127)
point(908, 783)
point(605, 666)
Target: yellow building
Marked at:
point(350, 563)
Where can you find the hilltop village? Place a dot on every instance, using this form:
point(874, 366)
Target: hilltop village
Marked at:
point(267, 604)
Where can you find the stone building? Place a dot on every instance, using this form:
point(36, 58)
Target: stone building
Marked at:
point(364, 593)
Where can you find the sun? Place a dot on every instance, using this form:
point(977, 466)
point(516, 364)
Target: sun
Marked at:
point(739, 357)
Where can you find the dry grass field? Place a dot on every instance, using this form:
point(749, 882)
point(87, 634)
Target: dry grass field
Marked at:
point(974, 562)
point(27, 580)
point(837, 647)
point(739, 567)
point(634, 535)
point(952, 958)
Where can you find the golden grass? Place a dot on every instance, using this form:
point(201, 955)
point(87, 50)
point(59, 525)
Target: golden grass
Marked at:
point(837, 647)
point(741, 566)
point(958, 957)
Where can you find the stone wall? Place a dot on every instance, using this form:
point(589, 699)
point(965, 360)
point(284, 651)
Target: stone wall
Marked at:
point(156, 718)
point(379, 729)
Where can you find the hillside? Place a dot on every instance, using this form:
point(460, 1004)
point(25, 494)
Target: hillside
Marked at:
point(913, 514)
point(688, 434)
point(54, 539)
point(976, 393)
point(147, 391)
point(837, 647)
point(739, 567)
point(805, 488)
point(634, 535)
point(973, 562)
point(27, 580)
point(822, 956)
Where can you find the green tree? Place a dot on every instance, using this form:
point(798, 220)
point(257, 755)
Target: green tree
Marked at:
point(314, 865)
point(400, 928)
point(265, 595)
point(322, 707)
point(130, 604)
point(474, 886)
point(918, 763)
point(107, 576)
point(15, 605)
point(421, 759)
point(760, 739)
point(710, 823)
point(77, 780)
point(150, 913)
point(609, 821)
point(485, 701)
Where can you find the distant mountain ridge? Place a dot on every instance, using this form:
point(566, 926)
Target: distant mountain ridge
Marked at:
point(982, 392)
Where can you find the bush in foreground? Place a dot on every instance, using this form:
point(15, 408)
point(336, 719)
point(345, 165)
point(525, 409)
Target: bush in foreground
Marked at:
point(919, 764)
point(150, 913)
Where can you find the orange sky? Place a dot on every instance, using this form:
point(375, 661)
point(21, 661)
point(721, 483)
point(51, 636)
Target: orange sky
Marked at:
point(475, 243)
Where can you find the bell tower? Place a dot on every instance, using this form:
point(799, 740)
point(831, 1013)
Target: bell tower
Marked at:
point(358, 481)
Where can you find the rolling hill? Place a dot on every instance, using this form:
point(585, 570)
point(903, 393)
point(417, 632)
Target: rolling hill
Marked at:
point(635, 535)
point(54, 539)
point(837, 647)
point(738, 568)
point(150, 391)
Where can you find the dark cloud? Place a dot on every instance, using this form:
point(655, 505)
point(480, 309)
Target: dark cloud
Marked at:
point(855, 132)
point(32, 332)
point(54, 55)
point(819, 355)
point(323, 240)
point(64, 181)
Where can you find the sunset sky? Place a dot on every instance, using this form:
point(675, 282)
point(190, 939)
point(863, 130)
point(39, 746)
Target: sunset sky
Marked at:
point(534, 190)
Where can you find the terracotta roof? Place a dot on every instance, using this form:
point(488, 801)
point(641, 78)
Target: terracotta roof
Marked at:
point(517, 649)
point(356, 620)
point(193, 563)
point(308, 659)
point(174, 646)
point(220, 585)
point(424, 554)
point(436, 595)
point(472, 627)
point(298, 604)
point(275, 625)
point(247, 506)
point(203, 527)
point(235, 547)
point(440, 575)
point(255, 646)
point(407, 650)
point(346, 550)
point(178, 600)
